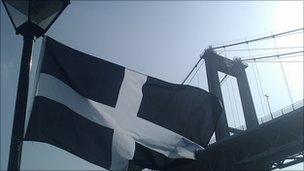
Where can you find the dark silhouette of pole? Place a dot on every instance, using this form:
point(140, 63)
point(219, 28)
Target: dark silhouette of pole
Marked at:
point(33, 19)
point(20, 106)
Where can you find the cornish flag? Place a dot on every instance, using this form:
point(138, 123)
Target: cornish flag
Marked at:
point(114, 117)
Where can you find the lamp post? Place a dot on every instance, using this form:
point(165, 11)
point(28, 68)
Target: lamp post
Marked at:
point(268, 105)
point(31, 19)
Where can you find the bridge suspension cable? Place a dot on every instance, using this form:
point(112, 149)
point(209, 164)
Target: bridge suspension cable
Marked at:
point(258, 82)
point(198, 80)
point(224, 79)
point(277, 61)
point(194, 73)
point(264, 49)
point(284, 75)
point(260, 38)
point(192, 70)
point(235, 102)
point(226, 75)
point(272, 56)
point(230, 105)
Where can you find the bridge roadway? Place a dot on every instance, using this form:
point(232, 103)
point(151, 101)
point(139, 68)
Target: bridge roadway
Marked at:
point(277, 143)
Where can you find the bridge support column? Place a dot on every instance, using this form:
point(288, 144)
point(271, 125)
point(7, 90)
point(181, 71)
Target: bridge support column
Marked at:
point(236, 68)
point(222, 130)
point(246, 97)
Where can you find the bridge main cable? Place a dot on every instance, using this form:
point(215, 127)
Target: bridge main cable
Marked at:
point(257, 39)
point(192, 69)
point(271, 56)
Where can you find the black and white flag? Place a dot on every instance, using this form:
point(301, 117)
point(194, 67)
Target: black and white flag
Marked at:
point(115, 117)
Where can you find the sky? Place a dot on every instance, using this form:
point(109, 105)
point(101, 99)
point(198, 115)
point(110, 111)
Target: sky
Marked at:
point(162, 39)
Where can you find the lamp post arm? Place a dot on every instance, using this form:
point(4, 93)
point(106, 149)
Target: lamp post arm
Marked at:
point(20, 106)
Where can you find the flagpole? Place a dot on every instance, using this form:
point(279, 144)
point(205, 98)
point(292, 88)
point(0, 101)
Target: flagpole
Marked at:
point(29, 26)
point(20, 105)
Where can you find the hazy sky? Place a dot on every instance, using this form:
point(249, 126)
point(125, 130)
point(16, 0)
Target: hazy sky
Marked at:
point(162, 39)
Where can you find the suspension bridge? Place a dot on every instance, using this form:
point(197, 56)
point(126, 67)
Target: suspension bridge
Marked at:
point(262, 142)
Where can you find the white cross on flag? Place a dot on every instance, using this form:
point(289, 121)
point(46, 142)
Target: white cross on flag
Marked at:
point(114, 117)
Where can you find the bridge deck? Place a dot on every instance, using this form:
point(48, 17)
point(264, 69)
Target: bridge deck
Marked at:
point(260, 148)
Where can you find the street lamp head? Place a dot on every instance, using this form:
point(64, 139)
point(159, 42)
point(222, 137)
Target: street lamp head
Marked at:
point(34, 17)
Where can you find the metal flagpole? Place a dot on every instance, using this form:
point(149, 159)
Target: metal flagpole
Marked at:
point(32, 19)
point(20, 105)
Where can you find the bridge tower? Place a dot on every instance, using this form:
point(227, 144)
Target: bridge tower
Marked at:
point(235, 68)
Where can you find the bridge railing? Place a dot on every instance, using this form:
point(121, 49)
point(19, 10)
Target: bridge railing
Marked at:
point(269, 117)
point(281, 112)
point(276, 114)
